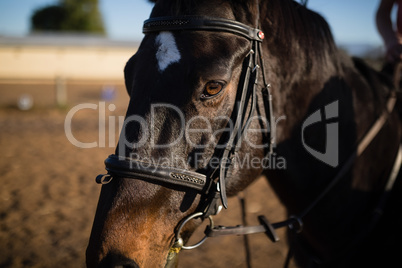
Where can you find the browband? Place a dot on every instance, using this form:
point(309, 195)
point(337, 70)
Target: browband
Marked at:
point(198, 23)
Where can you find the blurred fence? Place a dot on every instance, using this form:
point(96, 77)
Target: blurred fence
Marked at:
point(50, 67)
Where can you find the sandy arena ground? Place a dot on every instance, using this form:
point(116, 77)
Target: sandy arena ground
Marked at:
point(48, 194)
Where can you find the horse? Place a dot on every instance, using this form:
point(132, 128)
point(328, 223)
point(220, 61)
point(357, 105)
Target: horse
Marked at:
point(222, 92)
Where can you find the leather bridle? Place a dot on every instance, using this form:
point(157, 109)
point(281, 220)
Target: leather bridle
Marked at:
point(210, 182)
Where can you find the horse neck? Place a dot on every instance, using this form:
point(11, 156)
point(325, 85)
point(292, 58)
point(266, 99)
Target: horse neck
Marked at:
point(301, 59)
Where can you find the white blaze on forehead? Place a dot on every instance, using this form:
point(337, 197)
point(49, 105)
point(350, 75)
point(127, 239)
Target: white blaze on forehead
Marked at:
point(167, 50)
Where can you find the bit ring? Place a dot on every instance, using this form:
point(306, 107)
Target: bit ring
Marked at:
point(184, 222)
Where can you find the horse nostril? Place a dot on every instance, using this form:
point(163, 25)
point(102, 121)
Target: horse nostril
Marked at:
point(117, 261)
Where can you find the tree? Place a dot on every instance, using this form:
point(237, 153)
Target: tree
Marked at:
point(69, 16)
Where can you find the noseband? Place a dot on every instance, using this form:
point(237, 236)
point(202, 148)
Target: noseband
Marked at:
point(210, 182)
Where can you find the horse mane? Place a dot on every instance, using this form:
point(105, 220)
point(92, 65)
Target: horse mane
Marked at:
point(299, 32)
point(177, 6)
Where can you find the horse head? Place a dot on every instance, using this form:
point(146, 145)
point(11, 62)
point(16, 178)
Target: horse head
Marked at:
point(183, 84)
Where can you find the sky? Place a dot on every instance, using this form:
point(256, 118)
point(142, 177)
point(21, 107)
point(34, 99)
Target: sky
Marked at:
point(352, 21)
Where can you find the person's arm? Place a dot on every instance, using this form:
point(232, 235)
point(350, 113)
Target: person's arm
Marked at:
point(384, 23)
point(387, 32)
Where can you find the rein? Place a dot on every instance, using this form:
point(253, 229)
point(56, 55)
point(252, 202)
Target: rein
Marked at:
point(295, 221)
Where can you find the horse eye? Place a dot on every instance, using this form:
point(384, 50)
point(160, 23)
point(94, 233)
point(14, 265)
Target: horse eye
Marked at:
point(212, 89)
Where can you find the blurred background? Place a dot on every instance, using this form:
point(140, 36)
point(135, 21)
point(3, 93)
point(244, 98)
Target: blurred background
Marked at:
point(56, 54)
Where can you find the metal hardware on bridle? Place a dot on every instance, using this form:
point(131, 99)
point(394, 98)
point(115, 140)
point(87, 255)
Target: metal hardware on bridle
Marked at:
point(103, 179)
point(179, 241)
